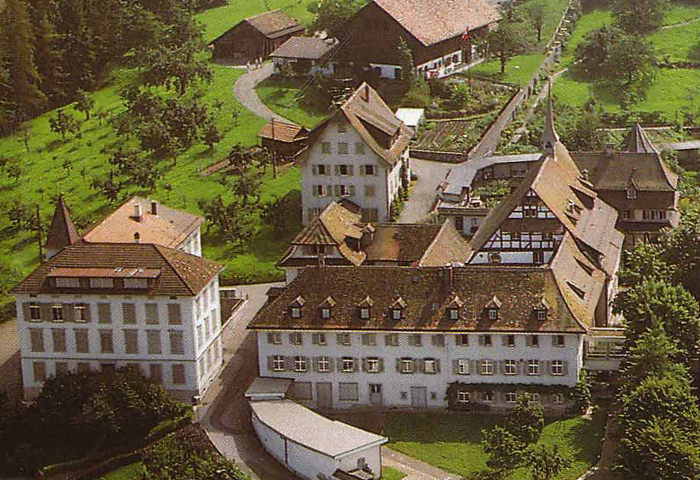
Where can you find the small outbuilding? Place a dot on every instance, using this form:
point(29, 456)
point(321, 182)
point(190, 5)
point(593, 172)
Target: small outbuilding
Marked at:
point(315, 447)
point(411, 117)
point(285, 139)
point(255, 37)
point(268, 388)
point(305, 56)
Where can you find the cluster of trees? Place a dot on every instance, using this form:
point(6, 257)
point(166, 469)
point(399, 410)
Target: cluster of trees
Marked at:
point(76, 414)
point(514, 444)
point(52, 49)
point(187, 454)
point(660, 417)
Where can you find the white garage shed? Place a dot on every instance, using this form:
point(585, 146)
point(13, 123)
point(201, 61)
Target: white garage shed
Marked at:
point(315, 447)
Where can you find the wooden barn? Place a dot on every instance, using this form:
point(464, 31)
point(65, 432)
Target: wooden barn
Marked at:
point(255, 37)
point(285, 139)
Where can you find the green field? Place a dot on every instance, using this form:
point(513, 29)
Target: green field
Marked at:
point(587, 23)
point(519, 70)
point(678, 43)
point(86, 155)
point(453, 442)
point(389, 473)
point(283, 97)
point(129, 472)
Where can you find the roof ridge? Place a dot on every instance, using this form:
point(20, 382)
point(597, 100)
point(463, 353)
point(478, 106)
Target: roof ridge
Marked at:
point(433, 242)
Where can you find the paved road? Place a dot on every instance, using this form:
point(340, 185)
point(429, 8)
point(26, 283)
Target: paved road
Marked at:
point(224, 414)
point(244, 90)
point(424, 194)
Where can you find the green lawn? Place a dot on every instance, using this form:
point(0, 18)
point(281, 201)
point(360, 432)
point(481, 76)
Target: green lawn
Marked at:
point(129, 472)
point(679, 43)
point(681, 12)
point(44, 176)
point(587, 23)
point(519, 69)
point(283, 97)
point(453, 441)
point(389, 473)
point(218, 20)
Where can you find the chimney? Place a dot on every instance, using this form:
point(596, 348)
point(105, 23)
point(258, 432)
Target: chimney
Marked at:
point(154, 207)
point(137, 237)
point(137, 212)
point(365, 93)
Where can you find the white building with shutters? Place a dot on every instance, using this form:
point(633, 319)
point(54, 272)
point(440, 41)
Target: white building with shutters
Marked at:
point(361, 154)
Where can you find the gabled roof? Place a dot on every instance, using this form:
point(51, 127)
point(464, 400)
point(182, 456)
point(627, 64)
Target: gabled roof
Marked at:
point(374, 121)
point(274, 24)
point(307, 48)
point(283, 132)
point(168, 226)
point(448, 247)
point(62, 231)
point(432, 21)
point(614, 171)
point(427, 297)
point(179, 273)
point(637, 141)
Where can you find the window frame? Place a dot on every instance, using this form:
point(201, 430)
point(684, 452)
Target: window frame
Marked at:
point(533, 367)
point(324, 364)
point(276, 365)
point(348, 364)
point(373, 365)
point(463, 366)
point(407, 362)
point(510, 368)
point(487, 367)
point(463, 396)
point(300, 364)
point(557, 368)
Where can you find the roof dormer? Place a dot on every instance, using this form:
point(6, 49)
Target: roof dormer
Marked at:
point(454, 307)
point(541, 310)
point(365, 308)
point(397, 308)
point(296, 307)
point(492, 308)
point(326, 307)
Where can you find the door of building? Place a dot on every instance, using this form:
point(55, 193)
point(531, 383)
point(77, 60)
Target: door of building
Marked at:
point(375, 394)
point(324, 395)
point(419, 397)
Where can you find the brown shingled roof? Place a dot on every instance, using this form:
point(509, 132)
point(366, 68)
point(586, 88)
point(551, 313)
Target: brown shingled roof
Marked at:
point(616, 171)
point(432, 21)
point(180, 272)
point(274, 24)
point(308, 48)
point(427, 294)
point(169, 227)
point(62, 231)
point(283, 132)
point(637, 141)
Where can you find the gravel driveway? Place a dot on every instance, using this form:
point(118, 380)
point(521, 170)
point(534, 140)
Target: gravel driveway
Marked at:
point(244, 90)
point(424, 193)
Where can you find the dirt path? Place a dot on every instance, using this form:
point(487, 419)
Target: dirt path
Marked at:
point(244, 90)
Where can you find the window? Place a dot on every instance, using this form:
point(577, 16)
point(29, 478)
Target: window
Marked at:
point(82, 345)
point(278, 363)
point(391, 340)
point(486, 367)
point(510, 341)
point(370, 170)
point(177, 345)
point(631, 193)
point(453, 313)
point(342, 148)
point(344, 339)
point(129, 313)
point(39, 371)
point(299, 364)
point(372, 365)
point(510, 367)
point(319, 190)
point(536, 397)
point(559, 341)
point(415, 340)
point(627, 214)
point(81, 314)
point(57, 313)
point(534, 341)
point(396, 313)
point(325, 312)
point(153, 340)
point(296, 312)
point(59, 340)
point(101, 283)
point(343, 170)
point(37, 339)
point(156, 371)
point(493, 313)
point(429, 366)
point(348, 391)
point(533, 367)
point(174, 314)
point(462, 397)
point(295, 338)
point(34, 313)
point(348, 364)
point(178, 374)
point(106, 341)
point(462, 340)
point(359, 148)
point(369, 339)
point(364, 313)
point(151, 314)
point(541, 314)
point(463, 366)
point(406, 365)
point(404, 395)
point(511, 397)
point(138, 283)
point(319, 339)
point(322, 169)
point(486, 340)
point(324, 364)
point(369, 190)
point(487, 396)
point(370, 215)
point(559, 398)
point(131, 341)
point(325, 147)
point(274, 338)
point(538, 257)
point(557, 367)
point(68, 282)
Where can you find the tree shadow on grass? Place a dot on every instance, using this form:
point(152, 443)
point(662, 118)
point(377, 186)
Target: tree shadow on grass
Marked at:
point(586, 438)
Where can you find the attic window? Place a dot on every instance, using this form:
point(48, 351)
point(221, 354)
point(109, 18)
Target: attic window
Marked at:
point(492, 308)
point(577, 290)
point(494, 257)
point(326, 306)
point(541, 310)
point(453, 308)
point(397, 308)
point(365, 307)
point(364, 313)
point(295, 309)
point(631, 192)
point(325, 312)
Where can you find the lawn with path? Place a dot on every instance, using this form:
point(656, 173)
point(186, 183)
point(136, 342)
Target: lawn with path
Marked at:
point(285, 97)
point(453, 441)
point(54, 166)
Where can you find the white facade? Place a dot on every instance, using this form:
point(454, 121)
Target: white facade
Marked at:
point(192, 244)
point(438, 360)
point(174, 340)
point(340, 164)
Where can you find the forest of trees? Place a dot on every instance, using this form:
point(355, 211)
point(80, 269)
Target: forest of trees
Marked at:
point(51, 50)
